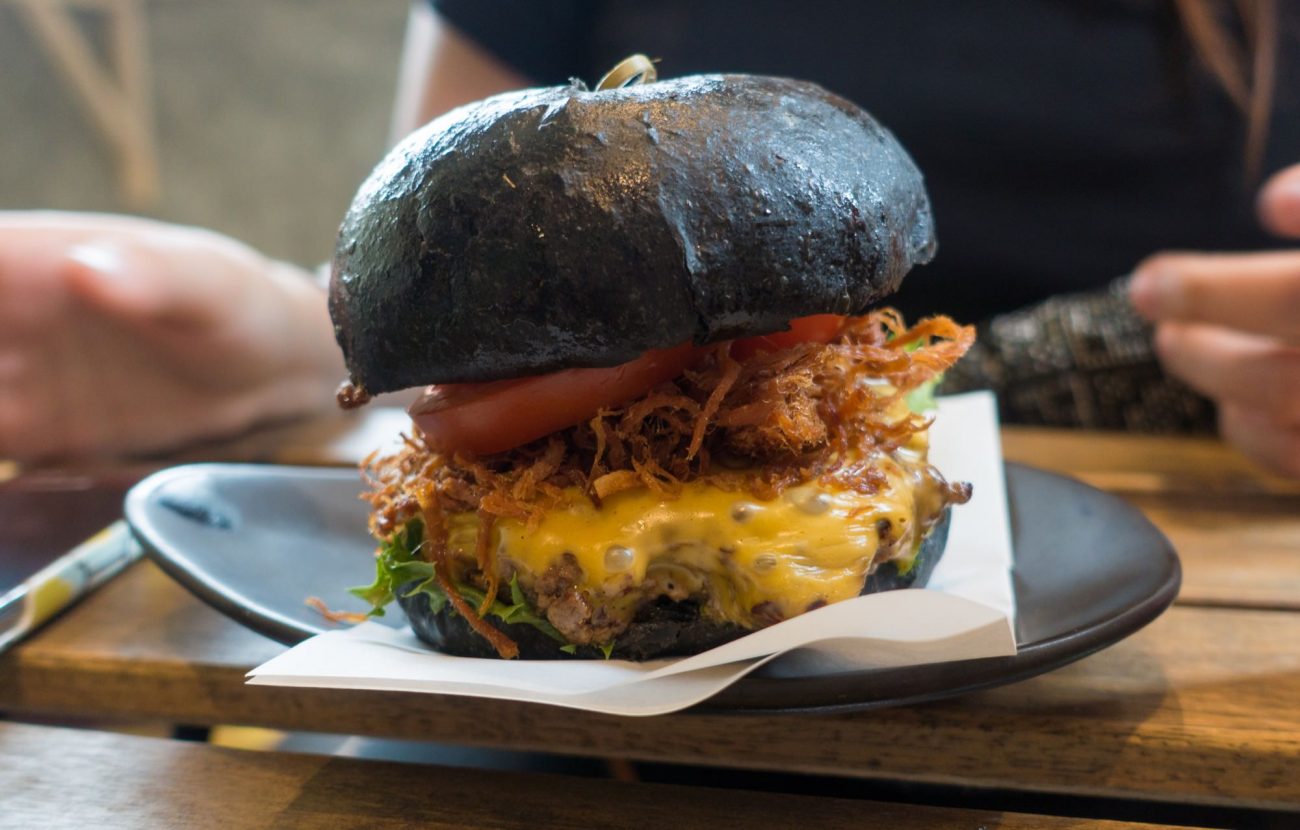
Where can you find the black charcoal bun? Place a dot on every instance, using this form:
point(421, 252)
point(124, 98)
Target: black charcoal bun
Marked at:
point(662, 629)
point(560, 227)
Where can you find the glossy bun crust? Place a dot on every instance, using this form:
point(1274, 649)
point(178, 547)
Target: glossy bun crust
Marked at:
point(662, 629)
point(556, 228)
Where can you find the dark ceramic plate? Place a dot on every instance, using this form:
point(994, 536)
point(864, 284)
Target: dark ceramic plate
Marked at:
point(254, 541)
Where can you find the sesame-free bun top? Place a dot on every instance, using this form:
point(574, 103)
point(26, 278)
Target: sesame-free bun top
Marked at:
point(556, 228)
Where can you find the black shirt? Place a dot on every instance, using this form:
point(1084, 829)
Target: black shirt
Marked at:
point(1061, 141)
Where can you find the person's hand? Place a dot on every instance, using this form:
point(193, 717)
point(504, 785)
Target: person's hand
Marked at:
point(123, 336)
point(1229, 325)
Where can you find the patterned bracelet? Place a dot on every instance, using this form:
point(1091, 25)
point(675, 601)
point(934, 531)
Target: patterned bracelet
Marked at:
point(1079, 360)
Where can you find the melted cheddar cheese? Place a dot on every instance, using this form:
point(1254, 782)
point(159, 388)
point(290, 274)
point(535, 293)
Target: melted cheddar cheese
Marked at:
point(746, 561)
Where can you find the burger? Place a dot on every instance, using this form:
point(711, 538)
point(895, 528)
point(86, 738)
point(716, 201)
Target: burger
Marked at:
point(661, 405)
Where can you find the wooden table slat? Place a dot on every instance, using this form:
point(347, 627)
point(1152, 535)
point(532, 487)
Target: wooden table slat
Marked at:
point(60, 777)
point(1135, 463)
point(1234, 555)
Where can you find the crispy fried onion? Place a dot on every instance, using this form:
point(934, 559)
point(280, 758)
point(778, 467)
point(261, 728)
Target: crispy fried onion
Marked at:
point(773, 420)
point(320, 607)
point(436, 535)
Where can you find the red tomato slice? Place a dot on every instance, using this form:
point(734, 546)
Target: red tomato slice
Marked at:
point(818, 328)
point(483, 418)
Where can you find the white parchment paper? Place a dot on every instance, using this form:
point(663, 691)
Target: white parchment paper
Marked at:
point(966, 612)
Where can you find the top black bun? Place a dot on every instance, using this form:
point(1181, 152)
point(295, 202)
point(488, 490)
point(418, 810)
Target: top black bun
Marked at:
point(556, 228)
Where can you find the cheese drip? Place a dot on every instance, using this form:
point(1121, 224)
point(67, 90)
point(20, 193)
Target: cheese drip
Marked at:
point(747, 561)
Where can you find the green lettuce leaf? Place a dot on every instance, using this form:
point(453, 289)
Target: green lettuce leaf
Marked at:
point(921, 399)
point(397, 564)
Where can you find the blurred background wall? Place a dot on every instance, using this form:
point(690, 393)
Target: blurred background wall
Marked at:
point(267, 114)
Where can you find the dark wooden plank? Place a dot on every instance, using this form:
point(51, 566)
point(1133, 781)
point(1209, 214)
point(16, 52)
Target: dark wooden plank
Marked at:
point(64, 778)
point(1132, 463)
point(1203, 706)
point(1237, 552)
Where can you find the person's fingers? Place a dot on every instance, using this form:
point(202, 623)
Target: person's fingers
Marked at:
point(135, 336)
point(1257, 293)
point(31, 292)
point(59, 228)
point(133, 269)
point(1272, 446)
point(15, 365)
point(163, 282)
point(1237, 368)
point(15, 420)
point(111, 278)
point(21, 391)
point(1279, 202)
point(35, 281)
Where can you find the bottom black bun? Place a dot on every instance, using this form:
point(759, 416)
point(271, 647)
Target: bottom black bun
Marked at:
point(663, 628)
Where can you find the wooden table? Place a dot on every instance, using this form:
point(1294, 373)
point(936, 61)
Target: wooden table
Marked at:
point(1195, 718)
point(173, 784)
